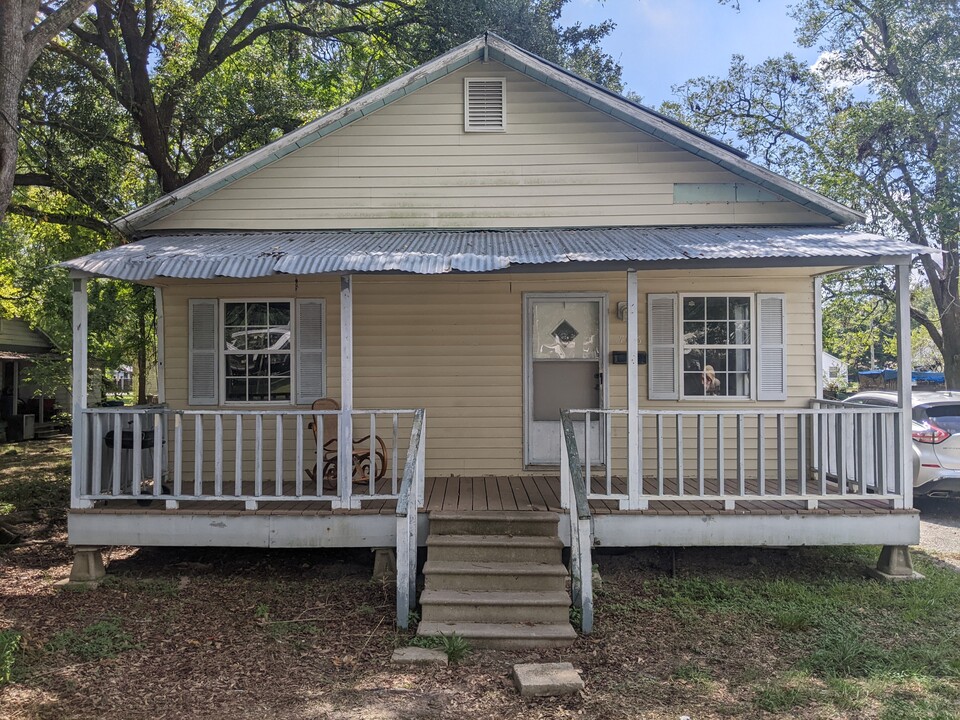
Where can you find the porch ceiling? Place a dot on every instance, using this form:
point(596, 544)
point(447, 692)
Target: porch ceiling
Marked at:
point(431, 252)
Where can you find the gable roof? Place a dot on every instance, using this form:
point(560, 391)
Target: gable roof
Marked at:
point(490, 46)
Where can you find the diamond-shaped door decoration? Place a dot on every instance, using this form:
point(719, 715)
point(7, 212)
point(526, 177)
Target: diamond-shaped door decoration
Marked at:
point(565, 332)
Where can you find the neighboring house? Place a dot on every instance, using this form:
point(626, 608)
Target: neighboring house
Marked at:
point(490, 239)
point(123, 379)
point(24, 413)
point(833, 368)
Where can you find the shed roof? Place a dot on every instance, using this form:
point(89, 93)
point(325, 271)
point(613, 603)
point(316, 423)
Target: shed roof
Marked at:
point(430, 252)
point(490, 46)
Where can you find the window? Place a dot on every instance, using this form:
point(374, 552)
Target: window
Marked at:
point(256, 351)
point(716, 345)
point(731, 346)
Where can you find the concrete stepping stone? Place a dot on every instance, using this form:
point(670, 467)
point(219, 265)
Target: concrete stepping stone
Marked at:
point(546, 679)
point(418, 656)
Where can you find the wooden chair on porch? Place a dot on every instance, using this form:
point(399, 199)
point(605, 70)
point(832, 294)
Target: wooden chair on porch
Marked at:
point(361, 460)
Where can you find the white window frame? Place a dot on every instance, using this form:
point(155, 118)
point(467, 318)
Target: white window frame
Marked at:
point(222, 353)
point(681, 345)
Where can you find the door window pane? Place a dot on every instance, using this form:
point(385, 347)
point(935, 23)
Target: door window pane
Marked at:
point(566, 330)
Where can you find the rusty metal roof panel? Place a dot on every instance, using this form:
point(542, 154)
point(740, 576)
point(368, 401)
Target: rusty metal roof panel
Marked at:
point(431, 252)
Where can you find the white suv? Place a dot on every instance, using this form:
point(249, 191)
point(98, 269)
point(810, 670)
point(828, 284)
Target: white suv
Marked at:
point(936, 438)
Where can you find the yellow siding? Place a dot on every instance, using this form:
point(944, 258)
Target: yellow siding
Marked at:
point(454, 345)
point(411, 164)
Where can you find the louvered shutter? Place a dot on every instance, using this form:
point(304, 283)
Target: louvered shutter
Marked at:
point(662, 383)
point(203, 352)
point(310, 351)
point(485, 104)
point(771, 347)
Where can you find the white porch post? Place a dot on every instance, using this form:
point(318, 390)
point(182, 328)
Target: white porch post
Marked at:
point(345, 444)
point(818, 333)
point(634, 481)
point(78, 469)
point(161, 379)
point(904, 380)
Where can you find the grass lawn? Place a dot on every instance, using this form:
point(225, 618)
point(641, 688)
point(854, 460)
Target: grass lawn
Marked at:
point(741, 633)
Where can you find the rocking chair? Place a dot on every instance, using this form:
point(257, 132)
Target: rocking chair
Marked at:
point(361, 461)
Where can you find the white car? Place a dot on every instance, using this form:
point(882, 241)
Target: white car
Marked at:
point(936, 438)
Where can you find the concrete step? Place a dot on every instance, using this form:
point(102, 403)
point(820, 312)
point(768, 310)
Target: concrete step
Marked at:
point(494, 576)
point(495, 607)
point(493, 522)
point(504, 636)
point(495, 548)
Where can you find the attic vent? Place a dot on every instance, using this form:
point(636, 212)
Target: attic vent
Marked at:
point(484, 104)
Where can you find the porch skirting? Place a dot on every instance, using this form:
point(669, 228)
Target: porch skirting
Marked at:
point(777, 522)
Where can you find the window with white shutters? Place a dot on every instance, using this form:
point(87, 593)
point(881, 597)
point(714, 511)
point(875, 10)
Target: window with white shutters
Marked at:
point(256, 351)
point(484, 104)
point(704, 345)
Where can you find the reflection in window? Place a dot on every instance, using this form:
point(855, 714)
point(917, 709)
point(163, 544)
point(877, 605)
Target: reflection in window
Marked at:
point(256, 337)
point(716, 346)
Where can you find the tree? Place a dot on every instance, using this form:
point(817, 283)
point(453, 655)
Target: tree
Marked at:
point(873, 123)
point(26, 28)
point(139, 97)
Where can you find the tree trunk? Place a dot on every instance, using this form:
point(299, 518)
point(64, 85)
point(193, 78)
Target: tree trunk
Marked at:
point(12, 73)
point(950, 324)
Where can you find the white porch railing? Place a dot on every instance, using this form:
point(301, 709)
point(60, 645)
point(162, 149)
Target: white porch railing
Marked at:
point(581, 524)
point(253, 456)
point(410, 499)
point(826, 452)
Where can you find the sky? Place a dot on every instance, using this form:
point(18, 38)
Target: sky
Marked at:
point(661, 43)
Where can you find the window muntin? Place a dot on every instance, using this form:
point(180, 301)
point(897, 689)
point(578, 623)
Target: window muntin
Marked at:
point(717, 345)
point(257, 356)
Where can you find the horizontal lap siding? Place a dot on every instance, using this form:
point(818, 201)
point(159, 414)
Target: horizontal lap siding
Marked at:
point(454, 346)
point(411, 165)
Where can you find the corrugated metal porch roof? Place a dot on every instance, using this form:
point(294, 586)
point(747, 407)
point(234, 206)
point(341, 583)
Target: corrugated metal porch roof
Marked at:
point(431, 252)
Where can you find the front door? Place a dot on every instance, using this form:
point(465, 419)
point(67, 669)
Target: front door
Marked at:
point(564, 364)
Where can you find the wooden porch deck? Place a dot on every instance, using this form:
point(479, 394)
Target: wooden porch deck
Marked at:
point(520, 493)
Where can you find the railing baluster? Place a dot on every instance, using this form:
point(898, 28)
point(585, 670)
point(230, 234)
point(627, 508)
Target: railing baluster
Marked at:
point(841, 455)
point(278, 456)
point(137, 473)
point(157, 455)
point(741, 473)
point(371, 481)
point(639, 454)
point(700, 455)
point(822, 425)
point(300, 470)
point(721, 461)
point(237, 458)
point(218, 455)
point(393, 460)
point(258, 459)
point(679, 454)
point(178, 454)
point(606, 427)
point(762, 453)
point(98, 443)
point(781, 455)
point(117, 443)
point(898, 455)
point(587, 452)
point(802, 453)
point(198, 455)
point(659, 454)
point(318, 424)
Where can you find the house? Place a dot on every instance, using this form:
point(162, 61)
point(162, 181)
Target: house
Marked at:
point(834, 369)
point(540, 296)
point(23, 413)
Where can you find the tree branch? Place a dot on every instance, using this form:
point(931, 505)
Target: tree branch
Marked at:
point(55, 218)
point(51, 26)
